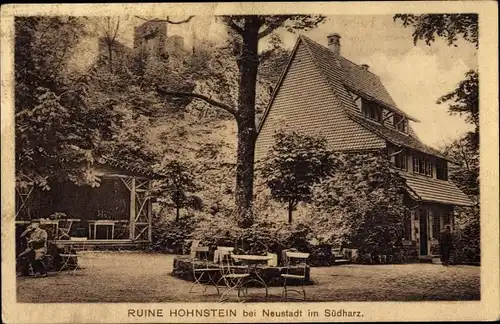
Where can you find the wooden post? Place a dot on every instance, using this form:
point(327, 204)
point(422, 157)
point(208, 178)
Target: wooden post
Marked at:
point(441, 220)
point(150, 221)
point(132, 210)
point(413, 222)
point(430, 224)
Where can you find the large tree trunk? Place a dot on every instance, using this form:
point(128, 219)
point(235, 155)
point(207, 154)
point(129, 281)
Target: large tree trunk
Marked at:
point(248, 63)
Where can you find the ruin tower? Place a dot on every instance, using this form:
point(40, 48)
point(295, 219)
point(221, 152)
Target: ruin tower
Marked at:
point(150, 38)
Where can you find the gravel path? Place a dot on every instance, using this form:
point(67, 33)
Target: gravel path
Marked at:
point(143, 277)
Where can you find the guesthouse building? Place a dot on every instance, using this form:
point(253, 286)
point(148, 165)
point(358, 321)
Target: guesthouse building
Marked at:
point(322, 91)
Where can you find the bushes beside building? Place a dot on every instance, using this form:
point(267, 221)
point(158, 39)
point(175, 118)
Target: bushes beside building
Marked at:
point(171, 235)
point(362, 206)
point(467, 243)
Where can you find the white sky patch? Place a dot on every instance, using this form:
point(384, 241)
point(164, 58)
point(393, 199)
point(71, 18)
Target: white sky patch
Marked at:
point(415, 81)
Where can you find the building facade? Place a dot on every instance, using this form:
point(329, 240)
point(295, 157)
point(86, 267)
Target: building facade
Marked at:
point(322, 92)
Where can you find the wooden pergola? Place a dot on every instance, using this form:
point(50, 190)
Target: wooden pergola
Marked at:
point(137, 182)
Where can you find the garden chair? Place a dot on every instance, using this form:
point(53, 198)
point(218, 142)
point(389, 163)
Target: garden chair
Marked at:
point(202, 269)
point(233, 280)
point(217, 252)
point(64, 229)
point(194, 244)
point(123, 230)
point(71, 255)
point(295, 262)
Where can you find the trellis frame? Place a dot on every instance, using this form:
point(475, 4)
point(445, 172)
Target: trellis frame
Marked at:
point(25, 195)
point(139, 185)
point(140, 220)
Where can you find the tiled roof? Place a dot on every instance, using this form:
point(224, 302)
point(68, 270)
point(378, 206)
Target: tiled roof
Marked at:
point(339, 71)
point(305, 102)
point(397, 138)
point(434, 190)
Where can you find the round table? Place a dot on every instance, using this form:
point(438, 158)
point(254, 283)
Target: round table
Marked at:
point(252, 261)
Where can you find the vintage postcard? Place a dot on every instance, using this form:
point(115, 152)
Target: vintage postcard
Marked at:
point(250, 162)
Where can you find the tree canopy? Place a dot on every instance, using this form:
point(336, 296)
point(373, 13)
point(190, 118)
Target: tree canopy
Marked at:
point(464, 100)
point(465, 171)
point(293, 165)
point(179, 186)
point(57, 129)
point(67, 119)
point(362, 204)
point(448, 26)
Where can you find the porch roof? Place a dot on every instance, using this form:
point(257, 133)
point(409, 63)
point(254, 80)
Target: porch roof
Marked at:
point(434, 190)
point(127, 167)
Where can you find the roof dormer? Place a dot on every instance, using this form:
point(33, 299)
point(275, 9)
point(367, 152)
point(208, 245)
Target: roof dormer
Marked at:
point(400, 123)
point(371, 111)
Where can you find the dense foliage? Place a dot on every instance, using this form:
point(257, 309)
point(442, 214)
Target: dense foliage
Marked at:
point(362, 205)
point(65, 118)
point(449, 26)
point(265, 235)
point(57, 129)
point(464, 171)
point(178, 187)
point(464, 100)
point(172, 234)
point(467, 234)
point(293, 165)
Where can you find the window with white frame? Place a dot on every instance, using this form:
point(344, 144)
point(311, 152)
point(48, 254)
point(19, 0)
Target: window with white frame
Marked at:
point(422, 164)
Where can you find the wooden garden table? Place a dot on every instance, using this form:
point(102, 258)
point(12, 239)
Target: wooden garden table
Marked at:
point(96, 223)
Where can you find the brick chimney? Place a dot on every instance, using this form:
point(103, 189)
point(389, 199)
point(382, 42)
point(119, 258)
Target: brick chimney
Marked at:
point(365, 66)
point(334, 43)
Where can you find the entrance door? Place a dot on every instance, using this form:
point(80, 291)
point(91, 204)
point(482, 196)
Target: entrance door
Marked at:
point(423, 232)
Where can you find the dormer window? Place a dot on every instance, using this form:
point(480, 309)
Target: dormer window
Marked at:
point(422, 164)
point(442, 170)
point(400, 123)
point(372, 111)
point(401, 160)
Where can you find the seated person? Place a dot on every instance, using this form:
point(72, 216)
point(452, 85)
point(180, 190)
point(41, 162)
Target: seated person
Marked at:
point(35, 251)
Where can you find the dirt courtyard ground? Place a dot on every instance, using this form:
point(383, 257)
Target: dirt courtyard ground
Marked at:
point(144, 277)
